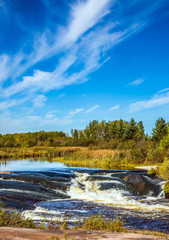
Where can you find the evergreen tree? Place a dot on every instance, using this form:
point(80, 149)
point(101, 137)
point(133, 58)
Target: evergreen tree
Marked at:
point(140, 133)
point(113, 129)
point(130, 130)
point(93, 126)
point(120, 129)
point(160, 130)
point(75, 135)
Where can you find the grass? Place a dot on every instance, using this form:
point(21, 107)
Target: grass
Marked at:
point(148, 232)
point(79, 156)
point(106, 159)
point(166, 188)
point(99, 223)
point(35, 152)
point(8, 219)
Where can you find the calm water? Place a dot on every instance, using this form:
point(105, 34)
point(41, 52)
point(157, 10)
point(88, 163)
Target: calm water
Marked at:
point(45, 190)
point(29, 164)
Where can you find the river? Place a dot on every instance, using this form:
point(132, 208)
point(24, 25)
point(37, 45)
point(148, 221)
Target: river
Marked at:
point(50, 190)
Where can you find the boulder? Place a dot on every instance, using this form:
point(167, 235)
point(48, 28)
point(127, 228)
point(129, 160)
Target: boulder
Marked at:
point(140, 183)
point(166, 189)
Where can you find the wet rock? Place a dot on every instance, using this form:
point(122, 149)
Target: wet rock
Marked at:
point(141, 183)
point(166, 190)
point(101, 178)
point(120, 175)
point(15, 203)
point(81, 185)
point(111, 185)
point(58, 174)
point(20, 194)
point(106, 171)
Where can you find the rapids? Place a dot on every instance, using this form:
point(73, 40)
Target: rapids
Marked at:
point(43, 190)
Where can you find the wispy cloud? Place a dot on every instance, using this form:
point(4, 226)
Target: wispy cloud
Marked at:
point(137, 82)
point(12, 124)
point(114, 108)
point(39, 101)
point(95, 10)
point(3, 8)
point(6, 104)
point(92, 109)
point(51, 114)
point(61, 95)
point(76, 111)
point(85, 42)
point(163, 90)
point(157, 100)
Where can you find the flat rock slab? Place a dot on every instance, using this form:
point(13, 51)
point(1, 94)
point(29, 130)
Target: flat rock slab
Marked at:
point(33, 234)
point(146, 167)
point(5, 172)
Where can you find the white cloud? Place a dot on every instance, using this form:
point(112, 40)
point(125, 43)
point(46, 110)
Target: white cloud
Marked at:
point(7, 104)
point(114, 108)
point(92, 109)
point(8, 65)
point(85, 15)
point(137, 82)
point(85, 41)
point(39, 101)
point(4, 105)
point(61, 95)
point(13, 124)
point(3, 8)
point(155, 101)
point(163, 90)
point(76, 111)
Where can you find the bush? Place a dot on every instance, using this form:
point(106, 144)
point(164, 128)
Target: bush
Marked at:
point(166, 188)
point(164, 170)
point(99, 223)
point(8, 219)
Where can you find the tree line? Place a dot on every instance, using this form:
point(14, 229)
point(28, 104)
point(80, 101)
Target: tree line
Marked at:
point(29, 139)
point(105, 134)
point(97, 132)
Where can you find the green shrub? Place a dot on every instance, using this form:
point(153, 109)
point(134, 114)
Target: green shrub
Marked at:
point(154, 171)
point(164, 169)
point(8, 219)
point(99, 223)
point(166, 188)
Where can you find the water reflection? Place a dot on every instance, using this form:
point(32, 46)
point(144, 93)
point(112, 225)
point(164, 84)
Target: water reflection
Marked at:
point(29, 164)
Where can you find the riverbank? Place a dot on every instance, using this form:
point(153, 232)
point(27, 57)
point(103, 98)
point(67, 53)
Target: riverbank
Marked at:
point(104, 158)
point(36, 152)
point(79, 157)
point(34, 234)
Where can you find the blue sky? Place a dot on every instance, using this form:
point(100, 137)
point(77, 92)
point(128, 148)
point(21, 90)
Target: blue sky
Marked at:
point(66, 62)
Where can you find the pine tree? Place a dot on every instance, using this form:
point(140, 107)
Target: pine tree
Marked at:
point(130, 130)
point(160, 130)
point(120, 129)
point(140, 132)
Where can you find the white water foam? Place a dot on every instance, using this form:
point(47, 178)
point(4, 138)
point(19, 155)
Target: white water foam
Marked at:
point(89, 190)
point(40, 213)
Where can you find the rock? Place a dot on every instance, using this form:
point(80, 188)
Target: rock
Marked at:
point(141, 184)
point(101, 178)
point(166, 190)
point(111, 185)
